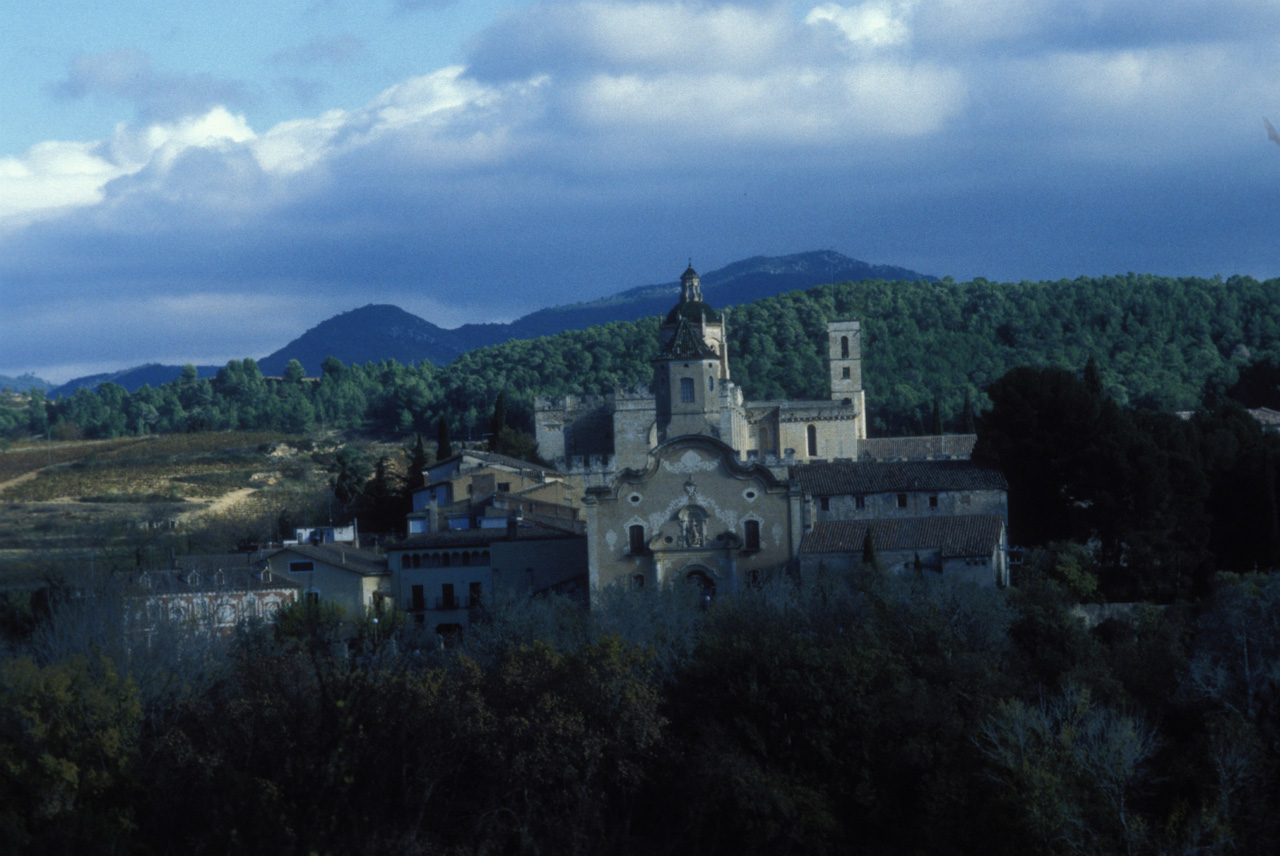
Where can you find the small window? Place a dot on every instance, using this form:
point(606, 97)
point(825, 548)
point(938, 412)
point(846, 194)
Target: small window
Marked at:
point(686, 389)
point(636, 539)
point(301, 567)
point(902, 500)
point(475, 592)
point(844, 348)
point(813, 441)
point(860, 503)
point(637, 581)
point(825, 503)
point(933, 500)
point(504, 487)
point(844, 373)
point(751, 533)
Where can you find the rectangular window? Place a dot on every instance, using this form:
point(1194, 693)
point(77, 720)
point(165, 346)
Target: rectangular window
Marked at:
point(751, 533)
point(636, 536)
point(475, 592)
point(418, 602)
point(933, 500)
point(825, 503)
point(844, 372)
point(686, 389)
point(301, 567)
point(860, 503)
point(902, 500)
point(504, 487)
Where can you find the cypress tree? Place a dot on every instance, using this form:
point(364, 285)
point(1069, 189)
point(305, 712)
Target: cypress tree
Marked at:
point(444, 448)
point(498, 421)
point(869, 550)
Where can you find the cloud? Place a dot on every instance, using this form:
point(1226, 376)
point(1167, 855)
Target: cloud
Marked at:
point(587, 146)
point(127, 74)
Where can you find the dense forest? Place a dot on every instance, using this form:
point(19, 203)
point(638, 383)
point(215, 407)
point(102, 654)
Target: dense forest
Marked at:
point(859, 712)
point(1158, 343)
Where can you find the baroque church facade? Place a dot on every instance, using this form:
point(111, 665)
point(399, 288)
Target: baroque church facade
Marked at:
point(690, 481)
point(694, 394)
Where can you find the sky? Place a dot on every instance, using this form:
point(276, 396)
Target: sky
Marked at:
point(202, 181)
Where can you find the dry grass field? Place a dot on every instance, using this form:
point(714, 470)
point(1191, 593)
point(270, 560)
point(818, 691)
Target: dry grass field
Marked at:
point(119, 503)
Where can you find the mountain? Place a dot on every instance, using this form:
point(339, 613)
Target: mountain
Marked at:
point(369, 334)
point(23, 383)
point(380, 332)
point(734, 284)
point(151, 374)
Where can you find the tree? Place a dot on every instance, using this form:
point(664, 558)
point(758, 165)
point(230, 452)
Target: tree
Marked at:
point(498, 421)
point(869, 558)
point(351, 472)
point(444, 448)
point(294, 372)
point(416, 466)
point(967, 423)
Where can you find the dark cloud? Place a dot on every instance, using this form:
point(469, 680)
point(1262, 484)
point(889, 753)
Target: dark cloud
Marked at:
point(127, 74)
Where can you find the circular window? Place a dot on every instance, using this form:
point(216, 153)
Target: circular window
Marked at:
point(749, 494)
point(668, 539)
point(634, 499)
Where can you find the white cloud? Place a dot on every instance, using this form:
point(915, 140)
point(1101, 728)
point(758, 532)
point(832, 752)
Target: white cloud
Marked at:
point(879, 23)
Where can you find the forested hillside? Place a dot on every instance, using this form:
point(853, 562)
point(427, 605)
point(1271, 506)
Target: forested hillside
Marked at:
point(1157, 342)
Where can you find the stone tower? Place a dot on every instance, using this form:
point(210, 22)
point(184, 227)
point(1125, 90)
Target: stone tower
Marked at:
point(692, 365)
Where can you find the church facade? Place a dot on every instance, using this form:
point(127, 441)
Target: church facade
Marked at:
point(692, 393)
point(690, 481)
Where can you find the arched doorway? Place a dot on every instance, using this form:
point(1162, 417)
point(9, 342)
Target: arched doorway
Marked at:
point(703, 582)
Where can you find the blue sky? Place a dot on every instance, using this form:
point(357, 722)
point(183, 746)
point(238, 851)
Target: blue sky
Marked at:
point(202, 181)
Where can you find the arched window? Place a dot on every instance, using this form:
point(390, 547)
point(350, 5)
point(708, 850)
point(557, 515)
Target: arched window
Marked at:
point(404, 561)
point(844, 347)
point(636, 539)
point(484, 557)
point(444, 560)
point(751, 534)
point(466, 559)
point(813, 441)
point(417, 560)
point(686, 389)
point(711, 383)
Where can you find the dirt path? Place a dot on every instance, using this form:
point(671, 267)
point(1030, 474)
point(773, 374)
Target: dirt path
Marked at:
point(226, 502)
point(25, 477)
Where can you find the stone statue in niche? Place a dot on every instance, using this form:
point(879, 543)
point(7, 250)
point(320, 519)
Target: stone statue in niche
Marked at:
point(693, 526)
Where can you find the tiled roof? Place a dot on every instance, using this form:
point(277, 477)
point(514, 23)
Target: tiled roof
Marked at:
point(187, 582)
point(1267, 417)
point(210, 562)
point(837, 478)
point(482, 537)
point(685, 344)
point(917, 448)
point(493, 458)
point(339, 555)
point(972, 535)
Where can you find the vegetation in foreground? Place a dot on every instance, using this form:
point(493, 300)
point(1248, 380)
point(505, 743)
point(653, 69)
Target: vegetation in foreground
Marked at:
point(855, 712)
